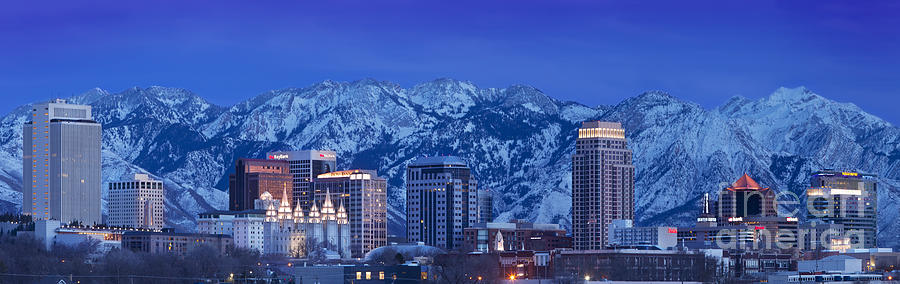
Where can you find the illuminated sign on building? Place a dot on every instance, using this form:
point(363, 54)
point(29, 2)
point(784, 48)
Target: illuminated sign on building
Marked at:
point(352, 174)
point(832, 191)
point(673, 231)
point(278, 157)
point(792, 219)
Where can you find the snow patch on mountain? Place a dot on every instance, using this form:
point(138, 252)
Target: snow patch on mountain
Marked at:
point(517, 140)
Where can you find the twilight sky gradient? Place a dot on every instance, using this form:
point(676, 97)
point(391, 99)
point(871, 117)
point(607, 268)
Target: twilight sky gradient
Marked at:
point(593, 52)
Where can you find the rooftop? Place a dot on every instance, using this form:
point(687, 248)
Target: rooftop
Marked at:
point(226, 212)
point(847, 174)
point(601, 124)
point(347, 173)
point(438, 161)
point(133, 233)
point(746, 183)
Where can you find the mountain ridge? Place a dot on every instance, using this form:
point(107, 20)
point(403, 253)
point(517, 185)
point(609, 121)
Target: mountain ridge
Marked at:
point(517, 140)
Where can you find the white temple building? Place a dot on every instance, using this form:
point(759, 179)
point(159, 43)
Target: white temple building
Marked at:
point(290, 232)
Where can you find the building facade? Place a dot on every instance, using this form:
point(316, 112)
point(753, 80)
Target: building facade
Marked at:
point(746, 198)
point(622, 234)
point(304, 167)
point(515, 236)
point(284, 233)
point(216, 223)
point(290, 232)
point(848, 199)
point(634, 265)
point(485, 206)
point(61, 163)
point(441, 201)
point(173, 243)
point(138, 203)
point(602, 182)
point(253, 177)
point(816, 235)
point(275, 228)
point(246, 227)
point(744, 219)
point(364, 195)
point(364, 274)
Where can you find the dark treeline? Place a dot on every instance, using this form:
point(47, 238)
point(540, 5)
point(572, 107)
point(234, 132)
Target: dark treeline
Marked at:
point(15, 218)
point(25, 260)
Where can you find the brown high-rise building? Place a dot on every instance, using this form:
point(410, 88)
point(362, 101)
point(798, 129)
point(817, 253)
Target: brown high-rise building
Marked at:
point(602, 182)
point(252, 177)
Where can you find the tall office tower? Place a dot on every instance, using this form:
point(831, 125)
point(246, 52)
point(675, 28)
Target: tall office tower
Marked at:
point(485, 206)
point(61, 163)
point(848, 199)
point(602, 182)
point(364, 195)
point(305, 166)
point(441, 201)
point(253, 177)
point(137, 203)
point(745, 198)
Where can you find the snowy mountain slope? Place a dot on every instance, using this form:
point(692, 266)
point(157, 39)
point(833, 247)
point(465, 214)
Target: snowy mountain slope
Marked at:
point(517, 140)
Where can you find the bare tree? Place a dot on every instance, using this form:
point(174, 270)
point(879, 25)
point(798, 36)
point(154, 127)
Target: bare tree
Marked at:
point(122, 263)
point(457, 267)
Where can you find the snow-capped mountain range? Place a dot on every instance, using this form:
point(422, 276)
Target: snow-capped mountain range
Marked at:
point(517, 140)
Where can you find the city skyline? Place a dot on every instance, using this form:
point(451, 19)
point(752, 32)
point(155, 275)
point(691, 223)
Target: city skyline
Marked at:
point(460, 142)
point(746, 230)
point(260, 155)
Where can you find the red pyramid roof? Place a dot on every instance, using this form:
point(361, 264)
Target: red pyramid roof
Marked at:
point(745, 183)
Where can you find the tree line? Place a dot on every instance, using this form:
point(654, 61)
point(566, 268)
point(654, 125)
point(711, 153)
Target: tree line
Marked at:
point(24, 259)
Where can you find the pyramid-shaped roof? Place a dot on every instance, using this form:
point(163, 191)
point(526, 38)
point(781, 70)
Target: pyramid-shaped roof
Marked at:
point(746, 183)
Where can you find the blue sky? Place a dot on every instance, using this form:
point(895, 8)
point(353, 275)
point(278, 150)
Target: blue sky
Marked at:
point(593, 52)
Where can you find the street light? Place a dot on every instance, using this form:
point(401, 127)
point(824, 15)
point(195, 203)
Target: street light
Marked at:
point(587, 278)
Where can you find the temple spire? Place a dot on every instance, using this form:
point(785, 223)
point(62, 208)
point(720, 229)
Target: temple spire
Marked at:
point(328, 207)
point(342, 217)
point(284, 197)
point(284, 211)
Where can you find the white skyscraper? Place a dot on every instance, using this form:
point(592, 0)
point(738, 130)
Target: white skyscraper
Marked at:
point(441, 201)
point(61, 163)
point(137, 203)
